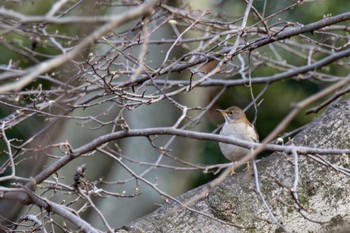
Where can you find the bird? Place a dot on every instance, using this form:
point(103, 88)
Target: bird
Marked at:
point(236, 126)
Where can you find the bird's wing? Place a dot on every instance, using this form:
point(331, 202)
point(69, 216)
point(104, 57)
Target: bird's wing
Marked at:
point(255, 135)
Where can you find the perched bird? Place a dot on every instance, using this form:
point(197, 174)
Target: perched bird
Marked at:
point(236, 126)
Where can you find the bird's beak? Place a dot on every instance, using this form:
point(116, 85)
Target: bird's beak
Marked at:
point(221, 111)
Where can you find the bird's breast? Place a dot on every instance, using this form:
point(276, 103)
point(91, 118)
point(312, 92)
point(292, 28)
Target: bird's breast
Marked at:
point(236, 130)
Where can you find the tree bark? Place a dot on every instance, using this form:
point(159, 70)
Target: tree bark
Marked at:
point(322, 191)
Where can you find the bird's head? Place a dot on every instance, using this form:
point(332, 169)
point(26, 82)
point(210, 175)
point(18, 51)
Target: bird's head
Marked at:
point(233, 114)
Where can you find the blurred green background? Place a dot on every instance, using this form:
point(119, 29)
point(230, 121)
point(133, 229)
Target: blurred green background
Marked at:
point(25, 50)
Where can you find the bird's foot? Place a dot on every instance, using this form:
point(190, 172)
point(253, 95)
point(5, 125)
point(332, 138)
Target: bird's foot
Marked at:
point(232, 173)
point(248, 167)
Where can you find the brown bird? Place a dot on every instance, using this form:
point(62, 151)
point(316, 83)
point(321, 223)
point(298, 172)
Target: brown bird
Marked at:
point(239, 127)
